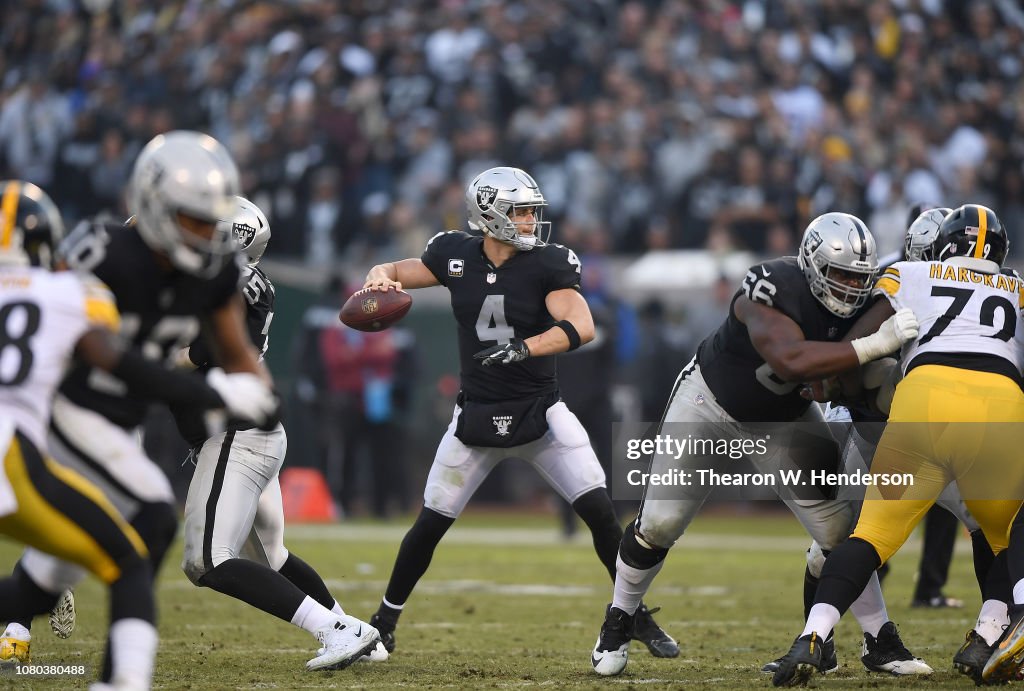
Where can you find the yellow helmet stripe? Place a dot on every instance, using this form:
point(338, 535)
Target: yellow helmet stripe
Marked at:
point(979, 249)
point(9, 213)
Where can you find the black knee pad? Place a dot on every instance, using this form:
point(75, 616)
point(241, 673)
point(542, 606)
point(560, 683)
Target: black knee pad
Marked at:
point(156, 523)
point(596, 509)
point(635, 554)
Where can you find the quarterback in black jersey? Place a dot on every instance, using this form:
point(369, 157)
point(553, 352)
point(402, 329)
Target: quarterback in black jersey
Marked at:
point(234, 507)
point(782, 329)
point(517, 304)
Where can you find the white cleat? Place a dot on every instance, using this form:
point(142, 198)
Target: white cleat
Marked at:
point(611, 652)
point(15, 644)
point(344, 642)
point(62, 616)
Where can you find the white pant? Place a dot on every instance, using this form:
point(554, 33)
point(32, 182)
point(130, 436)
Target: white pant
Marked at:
point(110, 457)
point(563, 456)
point(234, 502)
point(665, 515)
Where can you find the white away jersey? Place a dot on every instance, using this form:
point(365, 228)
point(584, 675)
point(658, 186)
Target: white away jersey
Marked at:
point(959, 310)
point(42, 316)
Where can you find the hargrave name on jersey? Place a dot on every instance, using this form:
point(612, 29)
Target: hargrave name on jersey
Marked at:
point(961, 274)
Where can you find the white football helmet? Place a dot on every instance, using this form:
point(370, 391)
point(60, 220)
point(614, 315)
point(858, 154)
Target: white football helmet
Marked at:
point(492, 196)
point(922, 233)
point(250, 227)
point(840, 260)
point(192, 174)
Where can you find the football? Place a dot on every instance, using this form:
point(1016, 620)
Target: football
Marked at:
point(372, 310)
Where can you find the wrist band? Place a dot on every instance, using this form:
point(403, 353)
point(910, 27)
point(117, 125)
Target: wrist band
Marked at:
point(570, 331)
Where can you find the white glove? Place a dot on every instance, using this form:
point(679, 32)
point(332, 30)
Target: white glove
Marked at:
point(891, 335)
point(245, 395)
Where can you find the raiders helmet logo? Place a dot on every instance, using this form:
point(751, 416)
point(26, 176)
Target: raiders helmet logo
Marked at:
point(485, 196)
point(369, 305)
point(245, 234)
point(813, 241)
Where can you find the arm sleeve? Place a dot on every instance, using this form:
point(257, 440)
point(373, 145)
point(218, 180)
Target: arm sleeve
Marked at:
point(175, 388)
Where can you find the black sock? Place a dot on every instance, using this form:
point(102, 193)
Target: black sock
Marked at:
point(415, 554)
point(810, 590)
point(983, 557)
point(257, 585)
point(307, 580)
point(847, 570)
point(596, 509)
point(21, 599)
point(156, 523)
point(997, 581)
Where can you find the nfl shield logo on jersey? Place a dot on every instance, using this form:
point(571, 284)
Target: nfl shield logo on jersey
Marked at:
point(492, 277)
point(485, 196)
point(502, 423)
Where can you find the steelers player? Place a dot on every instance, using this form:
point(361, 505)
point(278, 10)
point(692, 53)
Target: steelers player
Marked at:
point(46, 319)
point(517, 303)
point(174, 274)
point(782, 329)
point(234, 516)
point(961, 377)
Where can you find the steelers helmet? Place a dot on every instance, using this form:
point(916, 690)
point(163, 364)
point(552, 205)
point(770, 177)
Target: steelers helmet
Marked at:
point(30, 225)
point(839, 260)
point(974, 231)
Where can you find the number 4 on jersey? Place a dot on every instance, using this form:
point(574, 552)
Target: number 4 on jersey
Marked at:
point(491, 324)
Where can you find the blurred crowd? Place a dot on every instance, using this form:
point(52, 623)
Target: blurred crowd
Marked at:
point(649, 124)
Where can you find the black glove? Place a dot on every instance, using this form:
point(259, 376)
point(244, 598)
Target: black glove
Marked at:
point(514, 351)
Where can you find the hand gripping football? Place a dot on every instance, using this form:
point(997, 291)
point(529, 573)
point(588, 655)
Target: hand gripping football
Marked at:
point(373, 310)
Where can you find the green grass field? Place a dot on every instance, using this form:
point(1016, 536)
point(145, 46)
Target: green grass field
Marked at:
point(508, 604)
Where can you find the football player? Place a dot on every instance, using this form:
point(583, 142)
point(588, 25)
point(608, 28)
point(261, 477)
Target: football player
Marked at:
point(517, 303)
point(782, 329)
point(46, 319)
point(171, 270)
point(234, 501)
point(964, 369)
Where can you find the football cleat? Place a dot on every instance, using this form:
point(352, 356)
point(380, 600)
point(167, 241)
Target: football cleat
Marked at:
point(378, 654)
point(801, 662)
point(647, 631)
point(344, 642)
point(611, 652)
point(972, 656)
point(386, 629)
point(62, 616)
point(1007, 654)
point(938, 602)
point(829, 661)
point(886, 653)
point(14, 646)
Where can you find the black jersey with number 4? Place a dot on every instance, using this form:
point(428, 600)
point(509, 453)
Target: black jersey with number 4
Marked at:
point(742, 382)
point(493, 305)
point(160, 310)
point(259, 313)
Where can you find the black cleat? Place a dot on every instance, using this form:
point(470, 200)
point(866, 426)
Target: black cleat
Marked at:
point(972, 656)
point(611, 652)
point(647, 631)
point(829, 661)
point(798, 665)
point(886, 653)
point(386, 629)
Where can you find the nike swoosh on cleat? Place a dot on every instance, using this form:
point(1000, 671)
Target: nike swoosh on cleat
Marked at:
point(360, 631)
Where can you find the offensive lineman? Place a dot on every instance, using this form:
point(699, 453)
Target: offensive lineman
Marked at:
point(234, 500)
point(962, 373)
point(47, 319)
point(779, 333)
point(517, 303)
